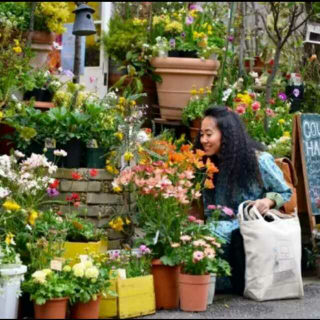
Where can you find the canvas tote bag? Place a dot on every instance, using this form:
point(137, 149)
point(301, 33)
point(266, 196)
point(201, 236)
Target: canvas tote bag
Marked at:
point(273, 254)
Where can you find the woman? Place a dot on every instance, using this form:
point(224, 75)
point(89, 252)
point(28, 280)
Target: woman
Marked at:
point(246, 172)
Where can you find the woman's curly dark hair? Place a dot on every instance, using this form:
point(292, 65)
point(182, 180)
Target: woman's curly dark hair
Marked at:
point(237, 161)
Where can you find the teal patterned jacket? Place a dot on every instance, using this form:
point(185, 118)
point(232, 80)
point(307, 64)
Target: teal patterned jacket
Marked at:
point(275, 188)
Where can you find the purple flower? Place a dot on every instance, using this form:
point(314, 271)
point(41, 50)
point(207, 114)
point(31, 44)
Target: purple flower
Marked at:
point(172, 43)
point(230, 38)
point(192, 7)
point(52, 192)
point(282, 96)
point(296, 93)
point(189, 20)
point(68, 73)
point(144, 250)
point(183, 35)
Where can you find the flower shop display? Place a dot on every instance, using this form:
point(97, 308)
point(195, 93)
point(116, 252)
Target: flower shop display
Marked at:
point(164, 191)
point(50, 290)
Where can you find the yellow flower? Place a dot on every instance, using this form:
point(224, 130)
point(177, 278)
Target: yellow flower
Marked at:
point(11, 205)
point(156, 20)
point(193, 92)
point(47, 271)
point(92, 273)
point(9, 239)
point(174, 26)
point(122, 100)
point(67, 269)
point(1, 115)
point(119, 135)
point(117, 189)
point(17, 49)
point(117, 224)
point(17, 42)
point(245, 98)
point(193, 13)
point(128, 156)
point(201, 91)
point(33, 216)
point(282, 121)
point(287, 134)
point(128, 221)
point(209, 27)
point(133, 103)
point(195, 35)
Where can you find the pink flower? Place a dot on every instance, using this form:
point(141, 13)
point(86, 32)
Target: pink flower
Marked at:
point(198, 256)
point(192, 219)
point(185, 238)
point(210, 253)
point(92, 79)
point(270, 112)
point(256, 106)
point(212, 207)
point(228, 211)
point(200, 222)
point(241, 109)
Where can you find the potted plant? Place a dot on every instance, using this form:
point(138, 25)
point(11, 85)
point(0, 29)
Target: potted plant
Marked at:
point(199, 254)
point(50, 290)
point(164, 192)
point(193, 112)
point(134, 284)
point(90, 281)
point(189, 29)
point(11, 275)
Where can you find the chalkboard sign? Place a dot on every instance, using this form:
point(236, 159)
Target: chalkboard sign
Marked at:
point(310, 129)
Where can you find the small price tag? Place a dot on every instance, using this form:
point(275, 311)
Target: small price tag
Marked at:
point(156, 238)
point(296, 79)
point(50, 143)
point(122, 274)
point(92, 144)
point(84, 258)
point(56, 265)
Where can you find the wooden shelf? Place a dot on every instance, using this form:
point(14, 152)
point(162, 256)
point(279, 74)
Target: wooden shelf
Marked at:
point(176, 123)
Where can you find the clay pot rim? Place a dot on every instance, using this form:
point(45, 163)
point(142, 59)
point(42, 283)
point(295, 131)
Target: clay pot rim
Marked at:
point(158, 262)
point(54, 299)
point(185, 63)
point(194, 279)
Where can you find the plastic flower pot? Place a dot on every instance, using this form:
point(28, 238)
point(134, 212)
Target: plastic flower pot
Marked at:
point(52, 309)
point(74, 148)
point(212, 288)
point(194, 292)
point(89, 310)
point(95, 158)
point(10, 289)
point(166, 285)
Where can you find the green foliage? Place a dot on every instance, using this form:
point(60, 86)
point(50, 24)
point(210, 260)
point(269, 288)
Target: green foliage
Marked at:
point(46, 284)
point(195, 108)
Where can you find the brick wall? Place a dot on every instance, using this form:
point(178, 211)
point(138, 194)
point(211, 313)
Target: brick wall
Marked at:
point(98, 202)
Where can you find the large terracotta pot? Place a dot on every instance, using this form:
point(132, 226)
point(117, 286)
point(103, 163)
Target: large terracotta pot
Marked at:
point(166, 285)
point(89, 310)
point(194, 292)
point(41, 44)
point(52, 309)
point(178, 77)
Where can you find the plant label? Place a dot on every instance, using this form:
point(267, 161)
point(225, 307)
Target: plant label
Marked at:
point(56, 265)
point(122, 274)
point(156, 238)
point(50, 143)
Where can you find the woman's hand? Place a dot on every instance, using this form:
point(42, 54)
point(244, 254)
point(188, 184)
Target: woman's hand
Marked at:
point(264, 205)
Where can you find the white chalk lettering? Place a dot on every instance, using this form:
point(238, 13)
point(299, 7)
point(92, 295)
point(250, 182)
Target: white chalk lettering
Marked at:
point(308, 145)
point(306, 129)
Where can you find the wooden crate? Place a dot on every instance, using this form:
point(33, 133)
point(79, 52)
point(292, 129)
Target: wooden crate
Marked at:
point(109, 305)
point(136, 297)
point(73, 249)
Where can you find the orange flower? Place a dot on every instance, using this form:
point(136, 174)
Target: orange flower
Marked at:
point(199, 164)
point(185, 148)
point(200, 153)
point(176, 157)
point(211, 168)
point(209, 184)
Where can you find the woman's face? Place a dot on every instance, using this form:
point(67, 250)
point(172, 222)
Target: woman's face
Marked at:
point(210, 136)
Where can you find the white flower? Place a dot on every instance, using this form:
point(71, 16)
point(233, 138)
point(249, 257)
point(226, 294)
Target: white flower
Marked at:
point(19, 154)
point(60, 153)
point(39, 277)
point(254, 74)
point(142, 137)
point(226, 94)
point(4, 192)
point(92, 273)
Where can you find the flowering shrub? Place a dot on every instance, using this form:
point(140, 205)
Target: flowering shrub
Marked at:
point(164, 192)
point(198, 251)
point(191, 28)
point(47, 284)
point(136, 263)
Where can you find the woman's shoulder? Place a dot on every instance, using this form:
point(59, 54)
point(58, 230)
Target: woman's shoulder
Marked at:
point(264, 156)
point(266, 161)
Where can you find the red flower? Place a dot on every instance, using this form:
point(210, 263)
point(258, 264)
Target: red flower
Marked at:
point(93, 172)
point(55, 184)
point(147, 130)
point(237, 100)
point(59, 213)
point(271, 62)
point(272, 101)
point(288, 76)
point(74, 198)
point(76, 176)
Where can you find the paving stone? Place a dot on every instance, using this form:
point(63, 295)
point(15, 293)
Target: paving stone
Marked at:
point(80, 186)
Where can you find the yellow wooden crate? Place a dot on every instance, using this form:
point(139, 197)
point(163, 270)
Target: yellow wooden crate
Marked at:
point(109, 305)
point(136, 297)
point(73, 249)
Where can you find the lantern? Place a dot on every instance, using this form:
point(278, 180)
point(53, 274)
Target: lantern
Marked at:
point(84, 24)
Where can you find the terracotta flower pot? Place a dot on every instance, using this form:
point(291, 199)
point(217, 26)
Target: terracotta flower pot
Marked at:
point(166, 285)
point(194, 292)
point(52, 309)
point(178, 77)
point(196, 123)
point(193, 133)
point(89, 310)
